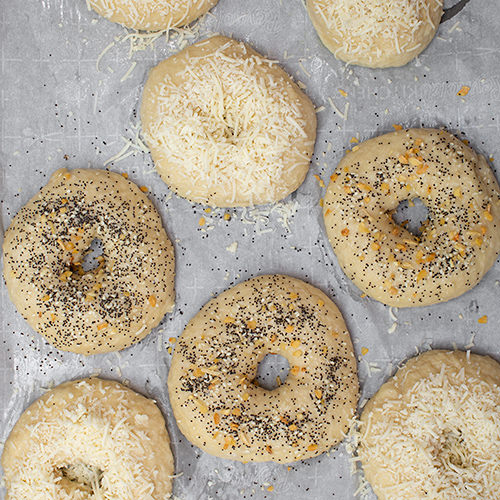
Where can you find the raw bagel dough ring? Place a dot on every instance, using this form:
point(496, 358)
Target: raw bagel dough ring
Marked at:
point(432, 431)
point(152, 15)
point(227, 127)
point(457, 246)
point(376, 33)
point(86, 437)
point(220, 410)
point(105, 309)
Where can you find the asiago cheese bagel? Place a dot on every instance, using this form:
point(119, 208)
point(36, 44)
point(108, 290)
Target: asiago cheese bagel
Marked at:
point(88, 440)
point(458, 243)
point(376, 33)
point(227, 127)
point(96, 310)
point(152, 15)
point(433, 431)
point(215, 401)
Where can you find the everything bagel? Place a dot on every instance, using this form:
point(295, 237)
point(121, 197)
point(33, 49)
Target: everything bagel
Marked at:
point(216, 403)
point(460, 240)
point(104, 309)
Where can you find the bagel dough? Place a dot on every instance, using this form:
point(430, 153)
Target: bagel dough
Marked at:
point(152, 15)
point(433, 431)
point(376, 33)
point(215, 401)
point(89, 439)
point(457, 245)
point(227, 127)
point(89, 311)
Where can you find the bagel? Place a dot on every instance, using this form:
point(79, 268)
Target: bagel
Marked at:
point(457, 245)
point(227, 127)
point(100, 310)
point(152, 15)
point(89, 439)
point(215, 401)
point(376, 33)
point(433, 431)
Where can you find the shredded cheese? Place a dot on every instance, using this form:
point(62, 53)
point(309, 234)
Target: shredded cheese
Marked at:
point(91, 440)
point(228, 122)
point(151, 15)
point(362, 28)
point(439, 438)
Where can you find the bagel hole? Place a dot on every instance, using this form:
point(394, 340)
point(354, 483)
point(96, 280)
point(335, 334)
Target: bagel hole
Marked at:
point(82, 477)
point(92, 257)
point(229, 132)
point(452, 449)
point(413, 215)
point(272, 371)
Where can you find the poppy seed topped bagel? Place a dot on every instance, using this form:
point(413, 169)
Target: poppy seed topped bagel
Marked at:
point(457, 244)
point(214, 397)
point(106, 308)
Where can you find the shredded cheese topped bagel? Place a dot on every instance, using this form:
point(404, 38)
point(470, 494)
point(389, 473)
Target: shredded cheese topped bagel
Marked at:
point(458, 243)
point(215, 400)
point(96, 310)
point(91, 439)
point(152, 15)
point(227, 127)
point(433, 431)
point(376, 33)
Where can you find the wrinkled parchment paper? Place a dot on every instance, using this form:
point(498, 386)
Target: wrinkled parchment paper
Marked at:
point(58, 109)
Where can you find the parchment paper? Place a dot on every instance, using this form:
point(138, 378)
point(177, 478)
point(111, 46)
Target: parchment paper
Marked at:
point(59, 110)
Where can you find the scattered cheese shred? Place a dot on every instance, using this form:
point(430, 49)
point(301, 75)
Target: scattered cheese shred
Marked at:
point(342, 115)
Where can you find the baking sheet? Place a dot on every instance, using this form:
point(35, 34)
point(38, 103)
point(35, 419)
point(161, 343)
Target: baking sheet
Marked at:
point(59, 110)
